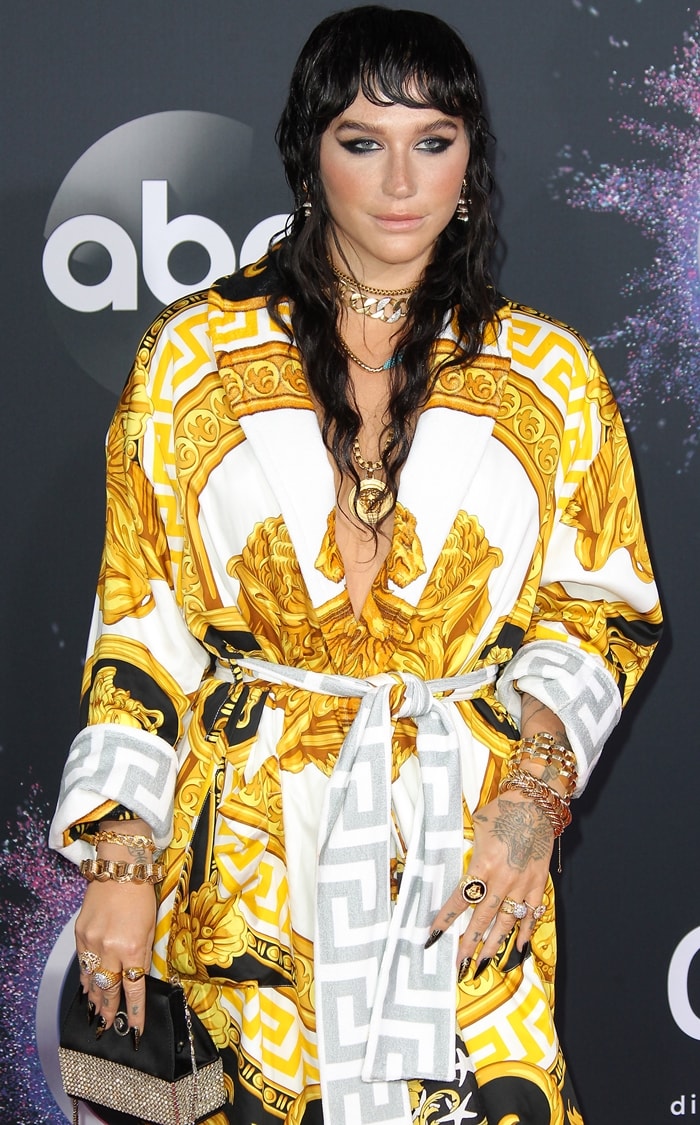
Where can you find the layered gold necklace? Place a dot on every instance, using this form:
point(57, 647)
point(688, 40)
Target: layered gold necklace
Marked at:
point(386, 366)
point(388, 305)
point(371, 499)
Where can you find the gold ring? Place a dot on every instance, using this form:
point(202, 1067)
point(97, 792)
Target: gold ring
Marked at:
point(105, 978)
point(537, 911)
point(517, 909)
point(473, 890)
point(88, 962)
point(133, 974)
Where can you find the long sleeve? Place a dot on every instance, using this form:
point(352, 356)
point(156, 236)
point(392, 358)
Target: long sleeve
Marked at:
point(596, 612)
point(143, 663)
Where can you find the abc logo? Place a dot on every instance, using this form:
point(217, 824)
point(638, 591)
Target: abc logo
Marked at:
point(153, 210)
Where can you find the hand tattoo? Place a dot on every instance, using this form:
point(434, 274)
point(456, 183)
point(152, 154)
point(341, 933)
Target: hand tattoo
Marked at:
point(525, 830)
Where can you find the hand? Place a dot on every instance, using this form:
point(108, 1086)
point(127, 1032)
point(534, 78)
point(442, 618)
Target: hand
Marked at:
point(117, 923)
point(513, 842)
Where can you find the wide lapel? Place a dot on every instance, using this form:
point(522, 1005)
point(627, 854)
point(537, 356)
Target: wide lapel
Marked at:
point(289, 447)
point(451, 438)
point(266, 391)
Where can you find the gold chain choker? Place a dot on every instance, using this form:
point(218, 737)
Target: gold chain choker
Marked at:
point(388, 305)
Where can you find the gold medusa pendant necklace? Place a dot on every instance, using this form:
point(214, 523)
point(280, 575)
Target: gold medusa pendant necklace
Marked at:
point(371, 499)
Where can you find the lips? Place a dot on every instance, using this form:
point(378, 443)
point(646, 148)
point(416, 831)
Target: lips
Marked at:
point(399, 222)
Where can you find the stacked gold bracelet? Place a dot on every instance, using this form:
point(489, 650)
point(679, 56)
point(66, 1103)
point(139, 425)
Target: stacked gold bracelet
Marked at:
point(126, 839)
point(543, 747)
point(552, 803)
point(103, 869)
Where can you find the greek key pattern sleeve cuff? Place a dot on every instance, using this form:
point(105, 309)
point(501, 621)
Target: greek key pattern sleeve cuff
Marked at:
point(576, 686)
point(110, 762)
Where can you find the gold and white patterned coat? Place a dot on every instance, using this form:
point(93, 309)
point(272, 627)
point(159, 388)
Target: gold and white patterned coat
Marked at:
point(517, 542)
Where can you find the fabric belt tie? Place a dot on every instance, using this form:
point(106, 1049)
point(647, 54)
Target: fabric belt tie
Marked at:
point(385, 1006)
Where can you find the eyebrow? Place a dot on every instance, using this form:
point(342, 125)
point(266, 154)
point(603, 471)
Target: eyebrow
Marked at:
point(366, 127)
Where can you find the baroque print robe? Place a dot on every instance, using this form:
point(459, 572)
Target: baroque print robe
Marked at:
point(518, 559)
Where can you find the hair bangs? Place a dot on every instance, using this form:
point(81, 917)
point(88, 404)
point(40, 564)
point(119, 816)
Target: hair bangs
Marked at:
point(418, 62)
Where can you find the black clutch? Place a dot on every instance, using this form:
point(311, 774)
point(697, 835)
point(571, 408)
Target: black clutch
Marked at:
point(175, 1078)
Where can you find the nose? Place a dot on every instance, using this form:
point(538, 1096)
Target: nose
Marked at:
point(399, 180)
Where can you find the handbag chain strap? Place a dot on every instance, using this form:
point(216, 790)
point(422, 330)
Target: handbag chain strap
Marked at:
point(194, 1099)
point(194, 1093)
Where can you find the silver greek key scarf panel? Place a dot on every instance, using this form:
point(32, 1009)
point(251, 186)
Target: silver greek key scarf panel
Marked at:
point(573, 683)
point(385, 1006)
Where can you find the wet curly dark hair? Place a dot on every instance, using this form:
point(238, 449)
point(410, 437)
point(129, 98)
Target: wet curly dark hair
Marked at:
point(417, 60)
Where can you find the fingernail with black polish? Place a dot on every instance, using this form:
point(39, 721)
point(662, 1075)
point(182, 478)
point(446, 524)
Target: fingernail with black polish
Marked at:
point(463, 969)
point(101, 1025)
point(136, 1036)
point(433, 938)
point(481, 966)
point(90, 1012)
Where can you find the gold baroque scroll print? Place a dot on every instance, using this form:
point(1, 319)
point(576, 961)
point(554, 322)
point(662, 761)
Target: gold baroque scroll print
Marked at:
point(273, 597)
point(277, 611)
point(136, 547)
point(455, 603)
point(204, 435)
point(594, 625)
point(531, 427)
point(125, 651)
point(267, 376)
point(476, 389)
point(110, 704)
point(605, 509)
point(209, 931)
point(553, 1111)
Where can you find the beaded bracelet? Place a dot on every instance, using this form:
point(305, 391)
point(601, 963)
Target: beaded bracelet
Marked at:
point(125, 839)
point(554, 806)
point(543, 747)
point(104, 869)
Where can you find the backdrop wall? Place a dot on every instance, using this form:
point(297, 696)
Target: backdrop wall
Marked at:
point(139, 159)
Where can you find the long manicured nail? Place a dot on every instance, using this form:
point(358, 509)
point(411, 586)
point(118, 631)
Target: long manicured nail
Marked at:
point(90, 1012)
point(481, 966)
point(101, 1025)
point(463, 969)
point(433, 938)
point(136, 1036)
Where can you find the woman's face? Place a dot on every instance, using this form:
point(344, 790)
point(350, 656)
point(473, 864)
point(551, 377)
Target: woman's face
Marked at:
point(392, 177)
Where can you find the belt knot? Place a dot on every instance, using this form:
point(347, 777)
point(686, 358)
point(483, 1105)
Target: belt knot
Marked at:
point(409, 696)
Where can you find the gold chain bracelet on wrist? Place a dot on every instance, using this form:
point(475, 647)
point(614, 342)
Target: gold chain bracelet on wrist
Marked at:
point(124, 838)
point(543, 747)
point(552, 803)
point(103, 869)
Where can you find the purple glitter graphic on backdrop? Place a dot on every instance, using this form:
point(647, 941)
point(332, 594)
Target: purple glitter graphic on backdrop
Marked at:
point(660, 194)
point(41, 893)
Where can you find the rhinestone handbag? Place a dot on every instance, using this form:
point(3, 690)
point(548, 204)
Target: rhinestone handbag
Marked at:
point(175, 1078)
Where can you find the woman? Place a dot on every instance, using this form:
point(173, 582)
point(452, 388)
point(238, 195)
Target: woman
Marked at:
point(374, 590)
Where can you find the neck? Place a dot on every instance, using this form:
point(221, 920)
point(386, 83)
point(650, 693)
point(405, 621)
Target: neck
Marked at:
point(385, 278)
